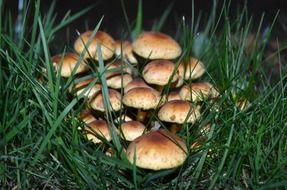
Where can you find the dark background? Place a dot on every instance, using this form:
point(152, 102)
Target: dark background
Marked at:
point(115, 24)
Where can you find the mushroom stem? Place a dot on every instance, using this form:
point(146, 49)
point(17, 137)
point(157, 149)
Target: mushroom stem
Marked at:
point(141, 115)
point(175, 128)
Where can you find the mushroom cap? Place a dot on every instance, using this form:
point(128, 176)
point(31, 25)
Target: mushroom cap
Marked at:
point(119, 81)
point(173, 95)
point(198, 91)
point(157, 150)
point(117, 66)
point(159, 72)
point(100, 128)
point(86, 116)
point(122, 118)
point(178, 111)
point(192, 69)
point(131, 130)
point(135, 83)
point(97, 102)
point(124, 48)
point(156, 45)
point(142, 98)
point(69, 61)
point(79, 87)
point(104, 39)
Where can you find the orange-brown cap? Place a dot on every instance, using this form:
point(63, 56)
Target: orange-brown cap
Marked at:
point(192, 69)
point(106, 42)
point(178, 111)
point(198, 91)
point(87, 116)
point(173, 95)
point(69, 62)
point(98, 128)
point(97, 102)
point(124, 48)
point(156, 45)
point(159, 72)
point(157, 150)
point(131, 130)
point(79, 87)
point(135, 83)
point(142, 98)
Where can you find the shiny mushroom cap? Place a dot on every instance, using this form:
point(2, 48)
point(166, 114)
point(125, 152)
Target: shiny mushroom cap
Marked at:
point(159, 72)
point(198, 91)
point(100, 128)
point(142, 98)
point(131, 130)
point(106, 42)
point(68, 64)
point(156, 45)
point(157, 150)
point(173, 95)
point(97, 102)
point(178, 111)
point(192, 69)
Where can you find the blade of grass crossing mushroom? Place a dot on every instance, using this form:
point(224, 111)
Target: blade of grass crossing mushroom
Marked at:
point(107, 105)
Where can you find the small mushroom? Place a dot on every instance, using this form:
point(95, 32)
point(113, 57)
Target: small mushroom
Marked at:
point(135, 83)
point(81, 86)
point(142, 98)
point(157, 150)
point(98, 128)
point(124, 48)
point(199, 91)
point(68, 64)
point(191, 69)
point(156, 45)
point(106, 42)
point(131, 130)
point(97, 101)
point(178, 112)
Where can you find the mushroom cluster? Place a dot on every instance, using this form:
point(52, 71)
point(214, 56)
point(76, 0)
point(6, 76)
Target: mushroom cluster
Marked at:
point(163, 86)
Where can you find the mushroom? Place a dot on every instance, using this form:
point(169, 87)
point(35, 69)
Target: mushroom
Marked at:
point(191, 69)
point(178, 112)
point(118, 74)
point(97, 102)
point(106, 42)
point(156, 45)
point(157, 150)
point(199, 91)
point(86, 116)
point(131, 130)
point(173, 95)
point(135, 83)
point(124, 48)
point(160, 73)
point(142, 98)
point(79, 87)
point(68, 64)
point(98, 128)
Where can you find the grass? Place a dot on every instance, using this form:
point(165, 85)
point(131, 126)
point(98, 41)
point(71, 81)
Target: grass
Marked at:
point(40, 146)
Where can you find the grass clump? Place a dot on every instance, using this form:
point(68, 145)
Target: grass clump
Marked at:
point(41, 147)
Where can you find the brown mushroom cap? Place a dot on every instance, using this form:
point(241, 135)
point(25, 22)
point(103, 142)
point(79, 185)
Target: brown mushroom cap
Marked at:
point(82, 85)
point(159, 72)
point(69, 62)
point(142, 98)
point(100, 128)
point(104, 39)
point(191, 69)
point(97, 102)
point(117, 66)
point(124, 48)
point(135, 83)
point(86, 116)
point(178, 111)
point(156, 45)
point(157, 150)
point(198, 91)
point(119, 81)
point(131, 130)
point(173, 95)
